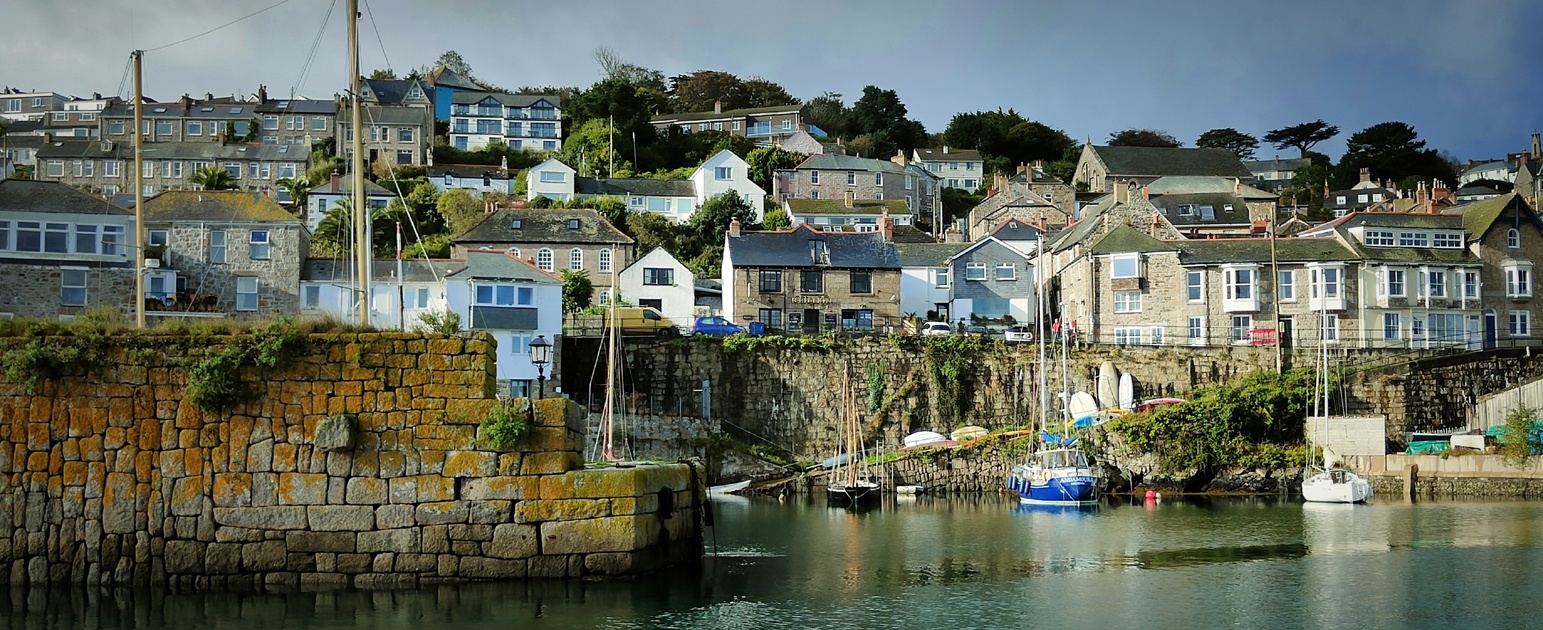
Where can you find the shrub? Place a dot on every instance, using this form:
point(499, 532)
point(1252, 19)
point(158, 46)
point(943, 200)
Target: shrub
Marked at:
point(1522, 435)
point(444, 322)
point(504, 425)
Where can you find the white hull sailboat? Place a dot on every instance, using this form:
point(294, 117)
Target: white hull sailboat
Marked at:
point(1329, 483)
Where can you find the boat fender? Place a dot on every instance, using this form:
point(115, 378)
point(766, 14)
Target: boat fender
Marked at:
point(1151, 495)
point(666, 503)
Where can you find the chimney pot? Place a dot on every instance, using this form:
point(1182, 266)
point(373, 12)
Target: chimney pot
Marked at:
point(887, 226)
point(335, 181)
point(945, 149)
point(717, 107)
point(1366, 174)
point(734, 228)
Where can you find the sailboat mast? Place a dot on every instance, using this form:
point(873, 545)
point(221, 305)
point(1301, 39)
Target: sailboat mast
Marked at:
point(139, 191)
point(362, 245)
point(1039, 331)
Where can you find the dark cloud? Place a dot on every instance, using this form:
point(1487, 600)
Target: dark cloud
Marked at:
point(1458, 71)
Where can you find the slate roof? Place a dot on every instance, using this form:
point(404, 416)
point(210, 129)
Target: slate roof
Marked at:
point(1013, 230)
point(392, 91)
point(1277, 164)
point(448, 78)
point(792, 248)
point(389, 115)
point(910, 234)
point(215, 206)
point(1191, 184)
point(826, 161)
point(18, 127)
point(873, 207)
point(1217, 201)
point(1125, 239)
point(298, 106)
point(503, 266)
point(1216, 251)
point(346, 186)
point(383, 270)
point(507, 100)
point(23, 142)
point(471, 171)
point(1480, 215)
point(85, 147)
point(1487, 166)
point(635, 186)
point(1163, 161)
point(732, 113)
point(953, 155)
point(928, 254)
point(25, 195)
point(236, 110)
point(544, 226)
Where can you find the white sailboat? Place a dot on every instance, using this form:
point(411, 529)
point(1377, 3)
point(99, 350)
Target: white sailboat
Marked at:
point(1328, 483)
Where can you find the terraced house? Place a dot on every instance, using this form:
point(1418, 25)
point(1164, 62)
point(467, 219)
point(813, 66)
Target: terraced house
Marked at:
point(553, 240)
point(767, 126)
point(806, 280)
point(223, 253)
point(106, 166)
point(63, 252)
point(829, 176)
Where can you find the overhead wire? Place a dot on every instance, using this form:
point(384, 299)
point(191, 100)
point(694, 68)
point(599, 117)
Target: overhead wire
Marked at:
point(188, 39)
point(305, 67)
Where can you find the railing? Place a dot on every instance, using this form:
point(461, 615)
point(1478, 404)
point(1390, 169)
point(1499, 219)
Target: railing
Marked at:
point(518, 115)
point(766, 130)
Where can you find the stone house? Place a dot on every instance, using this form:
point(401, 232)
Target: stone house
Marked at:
point(828, 176)
point(993, 282)
point(767, 126)
point(186, 120)
point(659, 281)
point(836, 215)
point(554, 239)
point(107, 166)
point(515, 302)
point(1100, 167)
point(964, 169)
point(1014, 202)
point(295, 121)
point(806, 280)
point(1506, 235)
point(400, 291)
point(1203, 205)
point(63, 252)
point(228, 252)
point(1363, 195)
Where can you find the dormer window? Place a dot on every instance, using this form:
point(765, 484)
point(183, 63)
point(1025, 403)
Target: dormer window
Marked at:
point(819, 254)
point(1125, 266)
point(573, 224)
point(515, 224)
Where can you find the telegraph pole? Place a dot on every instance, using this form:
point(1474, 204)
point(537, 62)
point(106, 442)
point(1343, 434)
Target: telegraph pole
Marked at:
point(362, 244)
point(139, 191)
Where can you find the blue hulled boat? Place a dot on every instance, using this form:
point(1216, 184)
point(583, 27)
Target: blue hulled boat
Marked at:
point(1057, 475)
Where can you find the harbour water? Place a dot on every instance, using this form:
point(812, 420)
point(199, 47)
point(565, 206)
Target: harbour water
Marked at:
point(982, 562)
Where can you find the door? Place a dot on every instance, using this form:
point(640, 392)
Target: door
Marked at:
point(1284, 336)
point(1489, 329)
point(811, 320)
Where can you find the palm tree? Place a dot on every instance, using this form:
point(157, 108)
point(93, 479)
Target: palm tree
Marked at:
point(297, 189)
point(337, 226)
point(211, 178)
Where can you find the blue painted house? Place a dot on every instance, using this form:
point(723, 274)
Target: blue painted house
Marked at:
point(993, 282)
point(446, 83)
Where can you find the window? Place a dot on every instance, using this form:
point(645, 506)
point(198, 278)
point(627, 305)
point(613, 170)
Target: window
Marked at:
point(1447, 240)
point(1328, 327)
point(701, 127)
point(553, 177)
point(771, 317)
point(811, 281)
point(1194, 286)
point(258, 245)
point(1155, 335)
point(72, 291)
point(55, 168)
point(1395, 283)
point(1412, 239)
point(1196, 331)
point(310, 297)
point(217, 246)
point(56, 238)
point(1339, 200)
point(851, 178)
point(114, 127)
point(940, 278)
point(1127, 301)
point(814, 177)
point(717, 126)
point(1390, 326)
point(1239, 283)
point(526, 296)
point(1328, 279)
point(1518, 281)
point(771, 281)
point(658, 277)
point(1521, 323)
point(1127, 336)
point(163, 127)
point(112, 240)
point(29, 236)
point(862, 282)
point(12, 105)
point(404, 134)
point(723, 173)
point(246, 293)
point(1379, 239)
point(736, 125)
point(975, 271)
point(576, 259)
point(86, 239)
point(604, 258)
point(402, 157)
point(1470, 285)
point(286, 170)
point(878, 179)
point(1287, 286)
point(573, 224)
point(110, 168)
point(544, 259)
point(1006, 271)
point(1241, 324)
point(1513, 238)
point(1125, 266)
point(1416, 328)
point(1436, 284)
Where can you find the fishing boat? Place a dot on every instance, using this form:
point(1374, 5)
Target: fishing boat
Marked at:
point(1328, 483)
point(1057, 472)
point(849, 487)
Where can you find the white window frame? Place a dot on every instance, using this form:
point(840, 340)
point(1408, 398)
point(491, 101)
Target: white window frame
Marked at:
point(940, 277)
point(259, 247)
point(1127, 301)
point(544, 259)
point(1194, 286)
point(74, 279)
point(1012, 272)
point(217, 246)
point(1194, 330)
point(1127, 336)
point(1328, 328)
point(1379, 238)
point(1387, 282)
point(1117, 260)
point(247, 286)
point(603, 260)
point(1155, 335)
point(1392, 326)
point(1287, 285)
point(576, 259)
point(1242, 327)
point(1520, 323)
point(1513, 239)
point(1518, 279)
point(975, 272)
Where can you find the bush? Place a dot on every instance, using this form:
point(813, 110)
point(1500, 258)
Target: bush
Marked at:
point(504, 425)
point(445, 322)
point(1522, 435)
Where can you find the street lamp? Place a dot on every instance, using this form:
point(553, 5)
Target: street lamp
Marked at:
point(540, 356)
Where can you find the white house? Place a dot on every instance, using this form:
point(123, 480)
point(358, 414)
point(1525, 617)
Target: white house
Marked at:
point(514, 301)
point(926, 290)
point(957, 168)
point(551, 179)
point(400, 293)
point(660, 281)
point(847, 215)
point(474, 178)
point(522, 121)
point(724, 172)
point(321, 199)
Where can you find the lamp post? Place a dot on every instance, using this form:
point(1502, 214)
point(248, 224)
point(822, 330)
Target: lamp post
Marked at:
point(540, 356)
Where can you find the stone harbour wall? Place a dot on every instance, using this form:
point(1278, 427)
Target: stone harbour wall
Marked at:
point(356, 462)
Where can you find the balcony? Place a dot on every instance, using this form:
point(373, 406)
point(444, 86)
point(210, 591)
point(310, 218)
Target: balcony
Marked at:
point(520, 114)
point(762, 130)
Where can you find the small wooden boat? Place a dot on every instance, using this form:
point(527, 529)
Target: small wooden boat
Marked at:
point(729, 488)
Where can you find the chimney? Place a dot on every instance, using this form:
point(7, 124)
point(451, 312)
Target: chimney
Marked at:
point(1122, 191)
point(1537, 149)
point(1419, 195)
point(887, 226)
point(717, 107)
point(262, 93)
point(1521, 162)
point(734, 228)
point(1146, 191)
point(1366, 175)
point(208, 96)
point(899, 157)
point(1237, 186)
point(334, 181)
point(1039, 166)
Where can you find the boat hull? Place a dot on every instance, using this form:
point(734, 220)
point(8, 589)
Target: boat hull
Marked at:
point(1336, 486)
point(860, 495)
point(1061, 490)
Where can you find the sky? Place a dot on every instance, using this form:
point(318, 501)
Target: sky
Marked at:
point(1458, 71)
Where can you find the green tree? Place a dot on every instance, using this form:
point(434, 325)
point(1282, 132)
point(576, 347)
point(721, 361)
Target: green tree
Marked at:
point(454, 62)
point(1391, 150)
point(761, 92)
point(700, 91)
point(765, 161)
point(1306, 188)
point(1143, 138)
point(775, 219)
point(213, 178)
point(578, 291)
point(383, 74)
point(652, 230)
point(1239, 143)
point(614, 209)
point(710, 221)
point(433, 246)
point(460, 210)
point(830, 113)
point(881, 116)
point(1303, 136)
point(588, 149)
point(297, 189)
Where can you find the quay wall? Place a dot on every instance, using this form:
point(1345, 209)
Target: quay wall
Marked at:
point(355, 461)
point(1462, 475)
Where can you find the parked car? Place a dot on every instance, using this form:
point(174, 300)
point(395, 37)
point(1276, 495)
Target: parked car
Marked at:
point(1019, 333)
point(715, 326)
point(641, 321)
point(936, 328)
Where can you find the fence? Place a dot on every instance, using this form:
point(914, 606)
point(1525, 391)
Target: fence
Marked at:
point(1492, 410)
